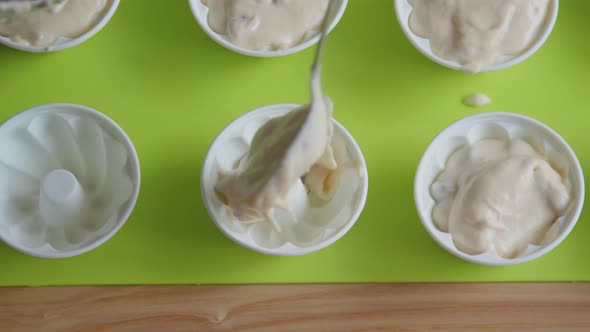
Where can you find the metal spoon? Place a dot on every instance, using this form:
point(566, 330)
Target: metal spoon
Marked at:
point(316, 66)
point(320, 108)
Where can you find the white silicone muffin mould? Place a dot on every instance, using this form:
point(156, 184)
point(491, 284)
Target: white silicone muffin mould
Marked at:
point(200, 11)
point(63, 43)
point(69, 180)
point(403, 10)
point(505, 126)
point(318, 227)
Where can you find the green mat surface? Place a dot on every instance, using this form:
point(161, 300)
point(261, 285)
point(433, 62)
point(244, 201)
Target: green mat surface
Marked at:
point(173, 89)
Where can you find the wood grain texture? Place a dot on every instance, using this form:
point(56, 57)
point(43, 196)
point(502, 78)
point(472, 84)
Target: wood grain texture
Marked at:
point(372, 307)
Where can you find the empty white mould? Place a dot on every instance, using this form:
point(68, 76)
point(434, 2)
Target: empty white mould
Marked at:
point(69, 179)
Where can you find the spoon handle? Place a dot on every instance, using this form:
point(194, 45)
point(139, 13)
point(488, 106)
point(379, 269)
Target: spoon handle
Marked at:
point(332, 7)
